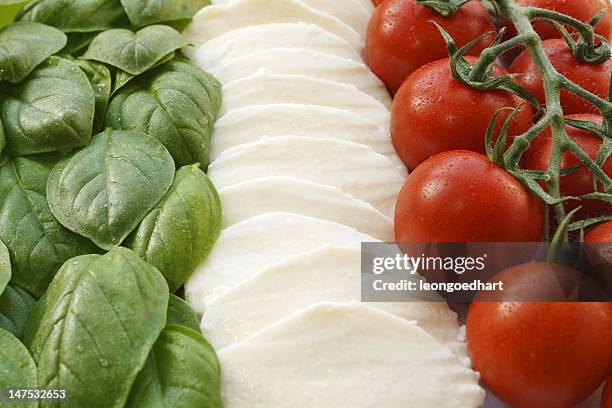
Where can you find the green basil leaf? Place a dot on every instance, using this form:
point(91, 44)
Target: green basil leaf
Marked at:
point(38, 244)
point(75, 16)
point(102, 191)
point(100, 79)
point(181, 314)
point(122, 77)
point(5, 266)
point(77, 42)
point(17, 368)
point(15, 305)
point(51, 110)
point(137, 52)
point(2, 138)
point(181, 371)
point(34, 319)
point(26, 45)
point(9, 9)
point(103, 314)
point(178, 235)
point(175, 103)
point(146, 12)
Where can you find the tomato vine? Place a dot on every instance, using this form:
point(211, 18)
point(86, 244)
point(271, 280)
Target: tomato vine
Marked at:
point(587, 47)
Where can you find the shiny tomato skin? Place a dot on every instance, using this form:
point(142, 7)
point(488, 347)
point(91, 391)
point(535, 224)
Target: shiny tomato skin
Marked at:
point(432, 113)
point(582, 10)
point(540, 354)
point(601, 233)
point(579, 182)
point(401, 38)
point(460, 196)
point(594, 78)
point(534, 353)
point(606, 399)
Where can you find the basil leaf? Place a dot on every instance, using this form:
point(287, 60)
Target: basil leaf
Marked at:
point(77, 42)
point(25, 46)
point(17, 368)
point(51, 110)
point(15, 305)
point(38, 244)
point(33, 323)
point(146, 12)
point(175, 103)
point(5, 266)
point(103, 314)
point(102, 191)
point(180, 313)
point(137, 52)
point(122, 77)
point(75, 16)
point(178, 235)
point(100, 79)
point(181, 371)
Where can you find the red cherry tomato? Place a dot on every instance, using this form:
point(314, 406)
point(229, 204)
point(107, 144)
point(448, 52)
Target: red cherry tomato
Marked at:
point(539, 354)
point(606, 399)
point(431, 98)
point(594, 78)
point(460, 196)
point(377, 2)
point(602, 233)
point(401, 37)
point(579, 182)
point(582, 10)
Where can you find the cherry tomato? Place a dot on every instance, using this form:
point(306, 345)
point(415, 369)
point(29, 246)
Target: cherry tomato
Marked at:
point(606, 398)
point(582, 10)
point(460, 196)
point(539, 354)
point(594, 78)
point(401, 37)
point(377, 2)
point(579, 182)
point(602, 233)
point(431, 97)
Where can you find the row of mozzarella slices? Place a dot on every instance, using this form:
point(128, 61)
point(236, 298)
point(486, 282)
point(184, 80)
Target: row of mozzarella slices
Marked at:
point(306, 172)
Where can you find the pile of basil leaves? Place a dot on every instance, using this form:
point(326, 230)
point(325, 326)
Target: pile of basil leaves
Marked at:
point(105, 207)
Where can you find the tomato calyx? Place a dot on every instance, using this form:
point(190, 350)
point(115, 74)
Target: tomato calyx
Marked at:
point(445, 8)
point(588, 47)
point(479, 76)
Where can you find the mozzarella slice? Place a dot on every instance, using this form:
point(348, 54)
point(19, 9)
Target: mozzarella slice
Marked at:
point(355, 169)
point(345, 356)
point(288, 61)
point(237, 43)
point(325, 275)
point(247, 248)
point(269, 194)
point(250, 124)
point(212, 21)
point(351, 12)
point(265, 88)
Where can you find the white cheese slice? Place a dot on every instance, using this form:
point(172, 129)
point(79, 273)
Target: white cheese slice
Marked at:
point(325, 275)
point(250, 124)
point(272, 194)
point(351, 167)
point(290, 61)
point(345, 356)
point(352, 12)
point(236, 43)
point(265, 88)
point(247, 248)
point(212, 21)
